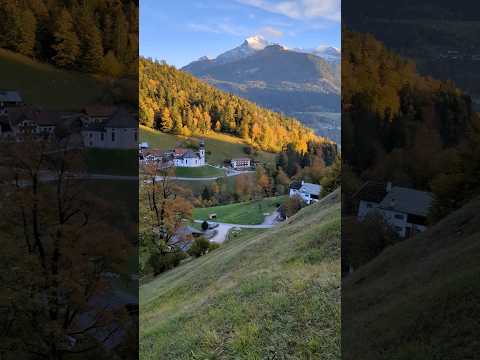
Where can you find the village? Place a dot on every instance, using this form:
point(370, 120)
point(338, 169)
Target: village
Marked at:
point(95, 126)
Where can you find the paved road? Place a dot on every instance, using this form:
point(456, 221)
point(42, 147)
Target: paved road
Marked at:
point(223, 228)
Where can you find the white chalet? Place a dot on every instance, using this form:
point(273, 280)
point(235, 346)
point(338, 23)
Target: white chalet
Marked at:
point(241, 163)
point(307, 191)
point(404, 209)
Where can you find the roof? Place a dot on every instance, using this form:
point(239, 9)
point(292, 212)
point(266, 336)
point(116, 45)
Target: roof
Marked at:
point(408, 201)
point(156, 152)
point(122, 119)
point(39, 116)
point(189, 155)
point(309, 188)
point(371, 191)
point(179, 151)
point(10, 96)
point(99, 110)
point(296, 185)
point(241, 159)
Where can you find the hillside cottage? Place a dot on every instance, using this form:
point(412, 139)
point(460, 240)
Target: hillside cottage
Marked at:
point(405, 209)
point(307, 191)
point(178, 157)
point(241, 163)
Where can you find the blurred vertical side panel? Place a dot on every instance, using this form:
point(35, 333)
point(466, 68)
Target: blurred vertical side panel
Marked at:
point(68, 179)
point(410, 181)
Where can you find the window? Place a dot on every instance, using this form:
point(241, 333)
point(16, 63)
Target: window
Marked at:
point(90, 135)
point(369, 205)
point(102, 136)
point(113, 136)
point(135, 135)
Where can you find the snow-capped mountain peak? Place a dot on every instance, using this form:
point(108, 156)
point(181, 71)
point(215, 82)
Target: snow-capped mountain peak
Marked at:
point(256, 42)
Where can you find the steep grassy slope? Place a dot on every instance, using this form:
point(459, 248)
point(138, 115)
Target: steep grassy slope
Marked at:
point(419, 299)
point(43, 85)
point(264, 295)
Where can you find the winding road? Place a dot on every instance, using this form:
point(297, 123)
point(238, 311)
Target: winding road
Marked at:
point(224, 228)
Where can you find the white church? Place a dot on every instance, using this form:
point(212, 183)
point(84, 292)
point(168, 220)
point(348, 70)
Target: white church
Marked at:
point(189, 158)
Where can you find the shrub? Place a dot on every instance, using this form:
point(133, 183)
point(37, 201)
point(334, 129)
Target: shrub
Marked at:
point(163, 261)
point(213, 246)
point(248, 150)
point(199, 247)
point(291, 206)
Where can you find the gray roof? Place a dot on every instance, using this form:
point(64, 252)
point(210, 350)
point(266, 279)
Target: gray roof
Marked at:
point(121, 119)
point(309, 188)
point(189, 155)
point(10, 96)
point(408, 201)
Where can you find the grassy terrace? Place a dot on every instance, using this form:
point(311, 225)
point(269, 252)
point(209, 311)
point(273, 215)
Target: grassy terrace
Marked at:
point(219, 146)
point(52, 88)
point(199, 172)
point(247, 213)
point(113, 161)
point(271, 294)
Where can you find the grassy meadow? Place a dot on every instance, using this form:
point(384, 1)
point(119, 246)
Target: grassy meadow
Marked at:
point(199, 172)
point(247, 213)
point(219, 147)
point(44, 85)
point(272, 294)
point(112, 161)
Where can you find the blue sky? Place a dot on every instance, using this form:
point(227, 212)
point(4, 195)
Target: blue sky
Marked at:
point(180, 31)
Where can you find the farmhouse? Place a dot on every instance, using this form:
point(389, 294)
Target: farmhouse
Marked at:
point(117, 131)
point(23, 120)
point(405, 209)
point(241, 163)
point(307, 191)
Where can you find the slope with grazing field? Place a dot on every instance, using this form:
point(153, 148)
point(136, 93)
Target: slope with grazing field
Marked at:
point(44, 85)
point(219, 147)
point(199, 172)
point(419, 299)
point(247, 213)
point(273, 294)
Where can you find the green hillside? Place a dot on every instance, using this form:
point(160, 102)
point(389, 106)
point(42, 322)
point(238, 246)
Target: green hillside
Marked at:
point(419, 299)
point(219, 146)
point(248, 212)
point(262, 295)
point(44, 85)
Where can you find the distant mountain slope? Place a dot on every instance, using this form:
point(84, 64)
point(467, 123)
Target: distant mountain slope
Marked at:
point(268, 295)
point(176, 102)
point(419, 299)
point(289, 81)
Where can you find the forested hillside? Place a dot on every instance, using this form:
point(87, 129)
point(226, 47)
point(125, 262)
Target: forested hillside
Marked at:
point(90, 36)
point(406, 128)
point(176, 102)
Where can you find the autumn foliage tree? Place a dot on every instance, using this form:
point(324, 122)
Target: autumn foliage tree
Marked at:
point(56, 246)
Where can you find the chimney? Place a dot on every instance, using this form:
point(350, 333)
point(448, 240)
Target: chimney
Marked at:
point(303, 182)
point(389, 186)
